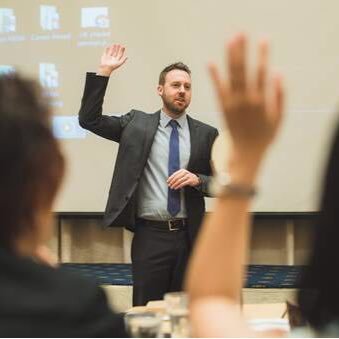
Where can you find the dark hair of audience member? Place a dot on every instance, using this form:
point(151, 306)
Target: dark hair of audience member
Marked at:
point(319, 294)
point(32, 165)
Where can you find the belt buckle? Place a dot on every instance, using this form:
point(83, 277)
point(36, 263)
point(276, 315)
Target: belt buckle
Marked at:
point(172, 226)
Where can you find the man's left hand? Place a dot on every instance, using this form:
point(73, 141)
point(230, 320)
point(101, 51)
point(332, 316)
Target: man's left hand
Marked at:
point(182, 178)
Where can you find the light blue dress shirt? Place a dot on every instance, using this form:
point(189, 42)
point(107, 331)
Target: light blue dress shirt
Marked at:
point(153, 188)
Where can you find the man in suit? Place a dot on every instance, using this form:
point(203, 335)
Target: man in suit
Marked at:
point(161, 174)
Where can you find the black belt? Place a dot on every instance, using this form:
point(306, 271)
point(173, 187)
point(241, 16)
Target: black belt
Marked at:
point(171, 225)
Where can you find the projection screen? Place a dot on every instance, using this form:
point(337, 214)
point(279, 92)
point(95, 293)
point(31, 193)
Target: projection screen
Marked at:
point(59, 41)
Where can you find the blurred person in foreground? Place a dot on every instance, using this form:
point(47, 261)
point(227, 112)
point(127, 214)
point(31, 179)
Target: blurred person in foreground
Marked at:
point(37, 298)
point(252, 109)
point(252, 115)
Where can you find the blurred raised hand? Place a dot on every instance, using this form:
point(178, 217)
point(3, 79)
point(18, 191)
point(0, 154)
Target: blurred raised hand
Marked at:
point(252, 109)
point(252, 106)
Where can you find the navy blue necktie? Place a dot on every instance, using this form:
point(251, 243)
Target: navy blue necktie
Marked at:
point(173, 200)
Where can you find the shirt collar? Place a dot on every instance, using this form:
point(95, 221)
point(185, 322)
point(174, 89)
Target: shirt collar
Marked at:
point(165, 119)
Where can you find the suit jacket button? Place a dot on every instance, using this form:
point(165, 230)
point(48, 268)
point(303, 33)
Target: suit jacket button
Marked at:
point(126, 198)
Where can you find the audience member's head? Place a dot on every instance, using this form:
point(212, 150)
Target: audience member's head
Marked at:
point(319, 296)
point(32, 165)
point(38, 300)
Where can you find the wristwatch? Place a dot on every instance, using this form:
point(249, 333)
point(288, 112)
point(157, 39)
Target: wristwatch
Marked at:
point(222, 186)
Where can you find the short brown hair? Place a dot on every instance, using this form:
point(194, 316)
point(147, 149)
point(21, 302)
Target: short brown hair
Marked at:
point(32, 165)
point(177, 65)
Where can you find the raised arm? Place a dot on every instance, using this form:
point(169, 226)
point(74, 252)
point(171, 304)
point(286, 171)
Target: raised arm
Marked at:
point(253, 115)
point(90, 114)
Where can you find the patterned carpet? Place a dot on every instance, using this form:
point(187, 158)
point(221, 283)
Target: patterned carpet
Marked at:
point(258, 276)
point(273, 276)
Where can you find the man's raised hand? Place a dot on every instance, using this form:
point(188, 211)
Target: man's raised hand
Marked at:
point(112, 58)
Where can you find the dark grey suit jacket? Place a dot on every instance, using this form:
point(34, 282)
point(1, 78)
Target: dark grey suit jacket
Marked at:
point(135, 132)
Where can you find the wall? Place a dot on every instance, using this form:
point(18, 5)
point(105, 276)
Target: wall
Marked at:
point(275, 240)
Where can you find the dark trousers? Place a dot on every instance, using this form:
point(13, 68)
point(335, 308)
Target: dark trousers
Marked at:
point(159, 260)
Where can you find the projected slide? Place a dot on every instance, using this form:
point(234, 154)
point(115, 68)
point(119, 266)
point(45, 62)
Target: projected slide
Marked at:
point(31, 43)
point(58, 41)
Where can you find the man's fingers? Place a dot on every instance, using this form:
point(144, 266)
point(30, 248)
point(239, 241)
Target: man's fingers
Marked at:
point(175, 180)
point(179, 173)
point(121, 52)
point(122, 61)
point(186, 182)
point(178, 181)
point(111, 50)
point(114, 50)
point(182, 180)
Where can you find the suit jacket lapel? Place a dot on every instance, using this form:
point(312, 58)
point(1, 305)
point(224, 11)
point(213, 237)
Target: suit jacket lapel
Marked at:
point(150, 130)
point(193, 127)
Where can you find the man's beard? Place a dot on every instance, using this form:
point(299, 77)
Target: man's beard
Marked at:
point(173, 108)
